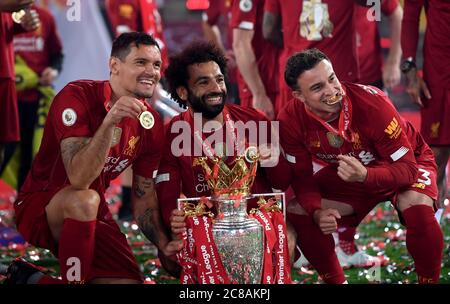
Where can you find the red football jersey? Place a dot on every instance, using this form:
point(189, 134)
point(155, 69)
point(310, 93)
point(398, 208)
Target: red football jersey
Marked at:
point(38, 47)
point(77, 111)
point(9, 117)
point(248, 15)
point(437, 39)
point(323, 24)
point(370, 57)
point(138, 15)
point(6, 50)
point(378, 138)
point(176, 174)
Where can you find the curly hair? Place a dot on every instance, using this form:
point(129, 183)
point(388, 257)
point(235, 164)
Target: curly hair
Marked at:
point(177, 74)
point(301, 62)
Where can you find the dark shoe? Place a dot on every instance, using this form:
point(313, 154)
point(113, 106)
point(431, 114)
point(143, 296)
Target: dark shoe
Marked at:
point(19, 272)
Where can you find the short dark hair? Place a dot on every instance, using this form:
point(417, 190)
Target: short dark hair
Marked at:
point(177, 74)
point(122, 45)
point(301, 62)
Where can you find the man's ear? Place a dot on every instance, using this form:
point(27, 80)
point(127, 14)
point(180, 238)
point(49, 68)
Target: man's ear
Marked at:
point(182, 92)
point(298, 95)
point(114, 64)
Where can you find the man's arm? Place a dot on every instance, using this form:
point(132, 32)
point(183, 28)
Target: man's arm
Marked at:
point(391, 69)
point(14, 5)
point(148, 216)
point(416, 86)
point(272, 28)
point(84, 158)
point(246, 61)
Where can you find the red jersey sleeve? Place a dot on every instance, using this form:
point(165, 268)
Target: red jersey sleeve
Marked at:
point(168, 182)
point(147, 163)
point(299, 158)
point(389, 6)
point(213, 13)
point(68, 114)
point(272, 6)
point(244, 14)
point(410, 27)
point(391, 143)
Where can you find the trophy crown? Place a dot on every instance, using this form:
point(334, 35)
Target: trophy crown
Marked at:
point(237, 179)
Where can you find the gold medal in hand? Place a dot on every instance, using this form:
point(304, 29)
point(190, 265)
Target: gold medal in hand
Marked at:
point(17, 16)
point(146, 119)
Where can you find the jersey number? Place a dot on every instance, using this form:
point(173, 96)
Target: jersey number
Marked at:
point(426, 177)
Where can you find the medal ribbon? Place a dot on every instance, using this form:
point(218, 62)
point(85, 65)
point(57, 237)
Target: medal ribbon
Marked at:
point(345, 119)
point(200, 139)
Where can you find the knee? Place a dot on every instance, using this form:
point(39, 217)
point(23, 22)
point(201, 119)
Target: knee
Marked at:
point(409, 199)
point(83, 205)
point(292, 239)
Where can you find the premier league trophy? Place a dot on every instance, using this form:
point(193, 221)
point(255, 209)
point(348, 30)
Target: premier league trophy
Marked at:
point(239, 238)
point(233, 246)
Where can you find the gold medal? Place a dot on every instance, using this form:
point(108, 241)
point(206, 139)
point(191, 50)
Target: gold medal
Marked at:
point(334, 140)
point(17, 16)
point(251, 154)
point(116, 136)
point(146, 119)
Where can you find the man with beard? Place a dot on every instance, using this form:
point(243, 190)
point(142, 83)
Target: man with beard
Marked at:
point(94, 131)
point(372, 155)
point(196, 80)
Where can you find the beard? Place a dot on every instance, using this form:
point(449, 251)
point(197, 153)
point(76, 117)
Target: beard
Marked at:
point(142, 95)
point(200, 104)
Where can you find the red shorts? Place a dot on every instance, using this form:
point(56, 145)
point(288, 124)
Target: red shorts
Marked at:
point(435, 117)
point(9, 115)
point(113, 257)
point(362, 199)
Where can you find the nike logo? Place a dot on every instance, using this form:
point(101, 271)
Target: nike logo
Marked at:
point(18, 203)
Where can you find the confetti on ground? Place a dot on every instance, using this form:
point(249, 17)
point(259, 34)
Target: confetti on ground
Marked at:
point(380, 234)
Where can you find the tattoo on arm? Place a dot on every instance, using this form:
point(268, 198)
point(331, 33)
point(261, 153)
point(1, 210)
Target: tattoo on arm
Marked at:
point(146, 224)
point(71, 146)
point(143, 185)
point(148, 210)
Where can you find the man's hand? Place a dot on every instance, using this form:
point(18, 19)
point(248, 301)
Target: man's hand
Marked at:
point(326, 220)
point(391, 74)
point(264, 104)
point(48, 76)
point(171, 248)
point(269, 155)
point(14, 5)
point(350, 169)
point(125, 106)
point(231, 63)
point(30, 21)
point(177, 223)
point(416, 86)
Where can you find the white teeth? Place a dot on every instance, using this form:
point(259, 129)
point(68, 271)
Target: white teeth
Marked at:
point(150, 82)
point(214, 99)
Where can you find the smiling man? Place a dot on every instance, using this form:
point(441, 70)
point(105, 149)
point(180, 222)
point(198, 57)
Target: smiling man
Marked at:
point(196, 78)
point(370, 154)
point(93, 133)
